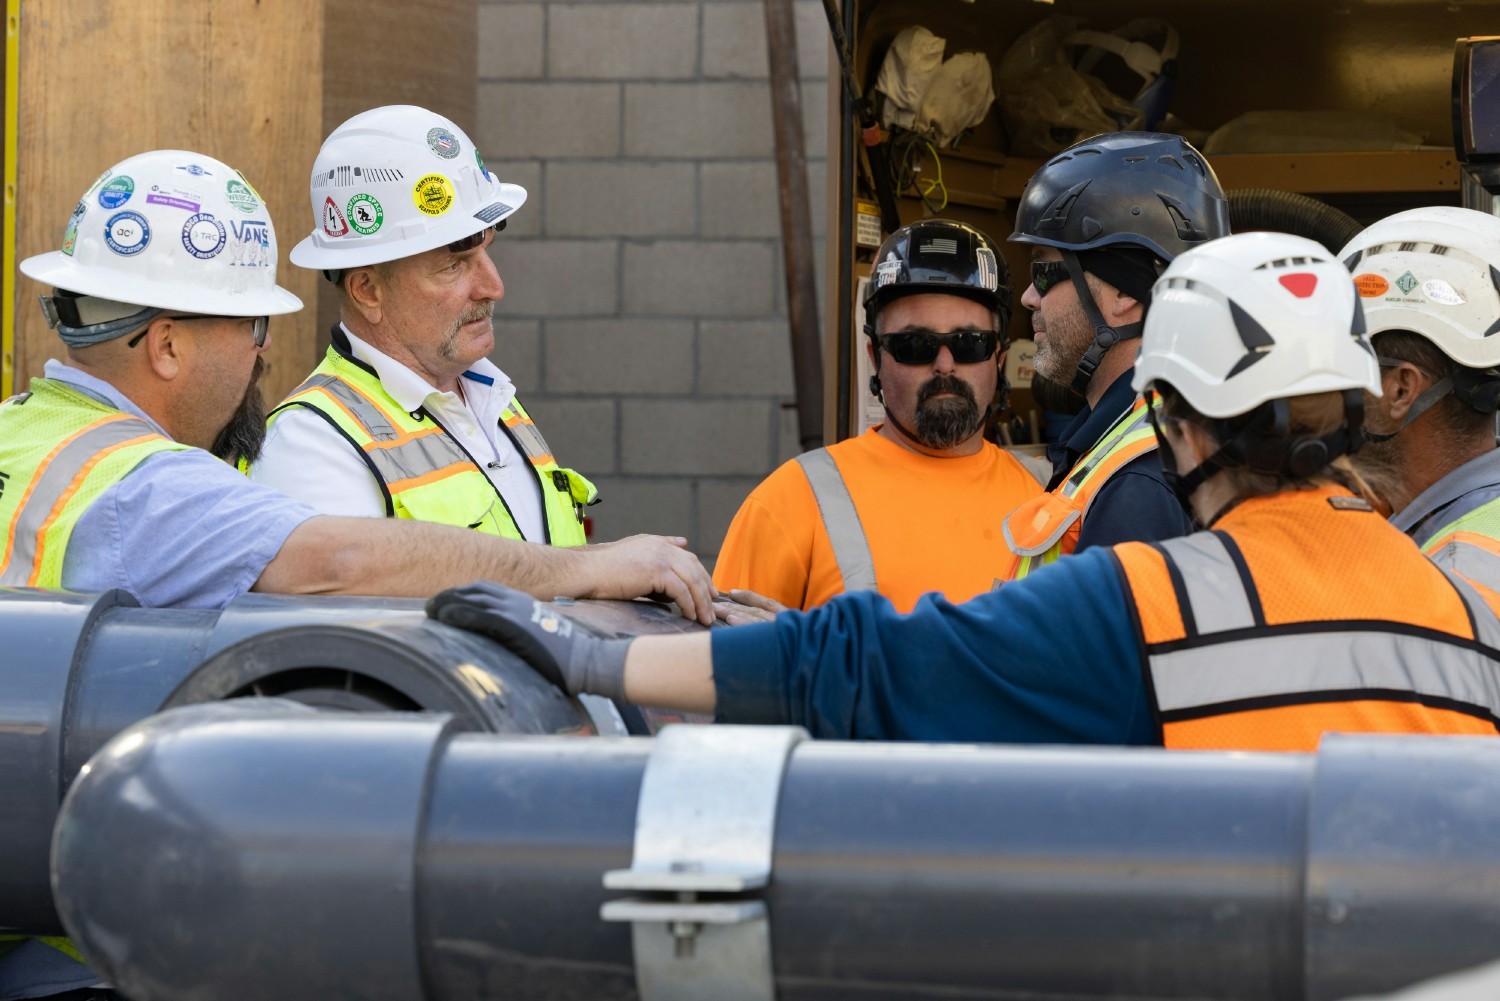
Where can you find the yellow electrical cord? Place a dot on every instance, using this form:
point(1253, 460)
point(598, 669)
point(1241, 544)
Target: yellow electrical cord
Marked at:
point(12, 125)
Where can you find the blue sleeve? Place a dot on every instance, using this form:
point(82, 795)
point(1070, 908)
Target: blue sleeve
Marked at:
point(1134, 505)
point(182, 529)
point(1052, 658)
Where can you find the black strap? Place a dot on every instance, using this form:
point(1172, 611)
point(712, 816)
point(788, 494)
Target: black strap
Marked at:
point(1105, 336)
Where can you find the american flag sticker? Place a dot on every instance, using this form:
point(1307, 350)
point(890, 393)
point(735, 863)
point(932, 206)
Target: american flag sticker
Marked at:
point(989, 273)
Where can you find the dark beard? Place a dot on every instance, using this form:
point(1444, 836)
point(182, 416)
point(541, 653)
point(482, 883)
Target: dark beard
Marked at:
point(243, 436)
point(944, 423)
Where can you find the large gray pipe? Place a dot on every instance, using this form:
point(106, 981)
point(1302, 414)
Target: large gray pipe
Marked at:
point(78, 668)
point(242, 851)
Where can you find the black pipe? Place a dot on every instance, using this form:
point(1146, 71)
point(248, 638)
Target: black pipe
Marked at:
point(471, 866)
point(78, 668)
point(796, 224)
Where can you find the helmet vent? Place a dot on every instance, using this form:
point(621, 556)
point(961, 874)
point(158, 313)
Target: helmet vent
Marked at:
point(1438, 251)
point(1197, 164)
point(1407, 248)
point(1135, 159)
point(1170, 161)
point(342, 177)
point(1056, 215)
point(1187, 229)
point(1186, 284)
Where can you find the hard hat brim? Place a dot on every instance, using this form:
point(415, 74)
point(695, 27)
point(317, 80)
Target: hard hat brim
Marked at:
point(318, 252)
point(61, 271)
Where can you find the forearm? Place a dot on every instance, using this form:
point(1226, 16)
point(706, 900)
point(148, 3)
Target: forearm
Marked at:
point(332, 555)
point(671, 672)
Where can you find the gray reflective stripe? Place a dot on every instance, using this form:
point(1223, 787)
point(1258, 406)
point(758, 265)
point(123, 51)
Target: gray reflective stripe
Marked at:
point(840, 520)
point(527, 436)
point(1101, 451)
point(1215, 591)
point(364, 411)
point(1306, 663)
point(417, 457)
point(1486, 625)
point(1478, 565)
point(54, 480)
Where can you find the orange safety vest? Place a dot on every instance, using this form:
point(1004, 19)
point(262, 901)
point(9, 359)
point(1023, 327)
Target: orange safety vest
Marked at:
point(1047, 526)
point(1305, 613)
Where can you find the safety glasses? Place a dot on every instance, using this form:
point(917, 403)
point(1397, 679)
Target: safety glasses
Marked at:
point(1045, 275)
point(920, 347)
point(468, 243)
point(262, 327)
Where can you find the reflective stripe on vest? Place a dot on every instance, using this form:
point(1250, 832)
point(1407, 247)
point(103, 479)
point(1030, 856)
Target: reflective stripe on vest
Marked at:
point(1355, 675)
point(62, 945)
point(1047, 526)
point(1470, 545)
point(425, 472)
point(851, 549)
point(46, 493)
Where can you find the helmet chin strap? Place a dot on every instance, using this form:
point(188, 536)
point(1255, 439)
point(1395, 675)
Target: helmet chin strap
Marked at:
point(1431, 395)
point(1105, 336)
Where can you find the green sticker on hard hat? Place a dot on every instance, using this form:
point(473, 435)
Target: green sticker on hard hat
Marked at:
point(70, 235)
point(485, 171)
point(365, 214)
point(116, 192)
point(241, 196)
point(1406, 283)
point(433, 194)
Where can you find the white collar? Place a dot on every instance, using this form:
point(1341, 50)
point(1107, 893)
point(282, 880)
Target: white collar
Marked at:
point(410, 390)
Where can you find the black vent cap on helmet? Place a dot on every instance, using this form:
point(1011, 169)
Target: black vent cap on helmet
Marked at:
point(938, 256)
point(1147, 189)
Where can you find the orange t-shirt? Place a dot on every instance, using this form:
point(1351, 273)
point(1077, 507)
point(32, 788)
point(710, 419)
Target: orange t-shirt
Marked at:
point(932, 524)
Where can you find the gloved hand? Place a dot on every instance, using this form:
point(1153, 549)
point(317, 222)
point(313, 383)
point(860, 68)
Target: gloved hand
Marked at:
point(567, 653)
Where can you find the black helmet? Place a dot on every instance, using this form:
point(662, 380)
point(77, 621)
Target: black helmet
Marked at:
point(1147, 189)
point(943, 257)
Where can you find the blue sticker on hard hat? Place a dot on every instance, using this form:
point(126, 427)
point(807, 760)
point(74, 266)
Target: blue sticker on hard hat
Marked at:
point(195, 170)
point(492, 212)
point(203, 236)
point(241, 196)
point(989, 274)
point(127, 233)
point(70, 235)
point(480, 161)
point(116, 192)
point(250, 244)
point(442, 142)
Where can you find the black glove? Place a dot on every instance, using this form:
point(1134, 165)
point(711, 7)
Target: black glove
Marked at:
point(565, 652)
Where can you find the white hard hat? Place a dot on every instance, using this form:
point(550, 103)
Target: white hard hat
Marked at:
point(168, 230)
point(397, 181)
point(1433, 271)
point(1254, 317)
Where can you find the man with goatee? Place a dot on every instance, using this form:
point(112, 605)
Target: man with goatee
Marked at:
point(106, 475)
point(914, 504)
point(406, 417)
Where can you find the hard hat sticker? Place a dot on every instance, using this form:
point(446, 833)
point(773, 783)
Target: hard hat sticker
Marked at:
point(433, 194)
point(483, 170)
point(888, 270)
point(442, 142)
point(989, 273)
point(492, 211)
point(1406, 283)
point(203, 236)
point(70, 235)
point(333, 219)
point(127, 233)
point(365, 214)
point(241, 196)
point(175, 200)
point(1439, 291)
point(116, 192)
point(195, 170)
point(251, 247)
point(1371, 286)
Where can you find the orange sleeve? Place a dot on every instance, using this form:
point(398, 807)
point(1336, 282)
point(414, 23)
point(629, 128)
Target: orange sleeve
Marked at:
point(768, 548)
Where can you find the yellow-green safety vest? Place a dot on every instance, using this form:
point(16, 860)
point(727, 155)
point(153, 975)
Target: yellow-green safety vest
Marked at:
point(1047, 526)
point(423, 471)
point(60, 449)
point(1470, 545)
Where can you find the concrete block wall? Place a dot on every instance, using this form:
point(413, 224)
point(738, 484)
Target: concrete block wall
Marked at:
point(644, 320)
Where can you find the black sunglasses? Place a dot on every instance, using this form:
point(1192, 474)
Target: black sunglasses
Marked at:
point(920, 347)
point(259, 331)
point(470, 242)
point(1045, 275)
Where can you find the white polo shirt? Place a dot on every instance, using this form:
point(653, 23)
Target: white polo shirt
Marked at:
point(306, 458)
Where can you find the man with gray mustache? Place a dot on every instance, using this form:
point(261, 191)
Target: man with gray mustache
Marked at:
point(406, 417)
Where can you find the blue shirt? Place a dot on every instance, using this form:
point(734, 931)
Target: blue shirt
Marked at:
point(1051, 658)
point(1135, 504)
point(182, 529)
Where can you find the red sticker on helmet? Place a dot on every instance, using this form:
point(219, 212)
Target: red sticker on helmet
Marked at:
point(333, 219)
point(1301, 284)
